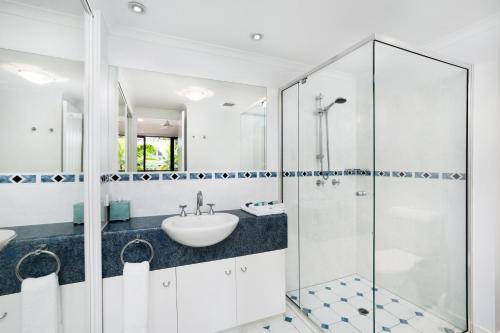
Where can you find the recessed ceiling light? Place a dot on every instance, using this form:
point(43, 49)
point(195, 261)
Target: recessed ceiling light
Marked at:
point(256, 36)
point(137, 7)
point(195, 93)
point(140, 120)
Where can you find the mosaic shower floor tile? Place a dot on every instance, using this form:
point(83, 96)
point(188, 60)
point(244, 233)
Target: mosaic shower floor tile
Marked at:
point(335, 306)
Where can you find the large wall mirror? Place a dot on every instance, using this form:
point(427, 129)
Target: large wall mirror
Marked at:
point(41, 113)
point(176, 123)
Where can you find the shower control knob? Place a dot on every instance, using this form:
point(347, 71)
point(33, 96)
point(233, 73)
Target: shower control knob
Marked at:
point(335, 182)
point(361, 193)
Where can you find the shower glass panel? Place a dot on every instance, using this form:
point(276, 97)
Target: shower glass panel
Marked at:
point(420, 210)
point(375, 186)
point(329, 200)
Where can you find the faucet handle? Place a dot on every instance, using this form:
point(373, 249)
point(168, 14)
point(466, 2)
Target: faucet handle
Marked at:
point(211, 211)
point(183, 210)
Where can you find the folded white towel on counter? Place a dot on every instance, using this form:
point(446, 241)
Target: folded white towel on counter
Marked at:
point(135, 297)
point(41, 305)
point(264, 209)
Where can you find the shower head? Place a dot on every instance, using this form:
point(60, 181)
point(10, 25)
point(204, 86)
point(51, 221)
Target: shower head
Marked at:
point(339, 100)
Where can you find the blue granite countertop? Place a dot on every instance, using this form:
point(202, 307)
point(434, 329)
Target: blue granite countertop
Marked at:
point(252, 235)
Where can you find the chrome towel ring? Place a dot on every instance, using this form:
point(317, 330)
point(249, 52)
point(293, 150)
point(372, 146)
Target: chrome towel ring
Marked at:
point(136, 241)
point(39, 251)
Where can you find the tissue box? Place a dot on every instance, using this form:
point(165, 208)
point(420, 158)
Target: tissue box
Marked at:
point(119, 210)
point(78, 213)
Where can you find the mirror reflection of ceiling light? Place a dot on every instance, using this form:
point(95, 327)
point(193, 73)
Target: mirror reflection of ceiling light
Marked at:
point(195, 93)
point(137, 7)
point(32, 73)
point(256, 36)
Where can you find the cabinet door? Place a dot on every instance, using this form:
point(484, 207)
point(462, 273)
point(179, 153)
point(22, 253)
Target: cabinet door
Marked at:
point(161, 307)
point(162, 301)
point(10, 312)
point(260, 280)
point(206, 297)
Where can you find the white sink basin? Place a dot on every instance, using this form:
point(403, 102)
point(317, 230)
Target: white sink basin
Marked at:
point(199, 231)
point(5, 237)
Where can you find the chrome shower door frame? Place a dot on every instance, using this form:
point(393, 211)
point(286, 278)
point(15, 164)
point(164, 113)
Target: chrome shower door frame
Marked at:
point(469, 118)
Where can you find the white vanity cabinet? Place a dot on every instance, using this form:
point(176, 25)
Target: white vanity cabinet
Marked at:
point(206, 296)
point(162, 303)
point(260, 280)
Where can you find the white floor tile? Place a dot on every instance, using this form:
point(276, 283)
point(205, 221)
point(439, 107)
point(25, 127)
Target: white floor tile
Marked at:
point(364, 324)
point(344, 309)
point(343, 327)
point(283, 327)
point(403, 328)
point(343, 291)
point(399, 310)
point(384, 318)
point(328, 296)
point(310, 301)
point(361, 302)
point(325, 315)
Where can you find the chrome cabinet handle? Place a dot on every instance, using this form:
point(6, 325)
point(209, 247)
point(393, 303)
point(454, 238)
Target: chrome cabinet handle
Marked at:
point(244, 269)
point(3, 316)
point(228, 272)
point(166, 285)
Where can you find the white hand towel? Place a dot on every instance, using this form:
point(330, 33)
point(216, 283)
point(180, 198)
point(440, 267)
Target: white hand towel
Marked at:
point(41, 305)
point(135, 297)
point(263, 210)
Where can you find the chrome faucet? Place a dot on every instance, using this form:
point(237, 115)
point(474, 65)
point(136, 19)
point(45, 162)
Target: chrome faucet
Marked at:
point(199, 203)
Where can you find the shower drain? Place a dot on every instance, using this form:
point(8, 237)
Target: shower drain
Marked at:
point(363, 312)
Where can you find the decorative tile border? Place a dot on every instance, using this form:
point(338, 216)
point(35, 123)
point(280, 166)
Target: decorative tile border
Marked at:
point(221, 175)
point(57, 178)
point(174, 176)
point(381, 173)
point(247, 174)
point(225, 175)
point(17, 179)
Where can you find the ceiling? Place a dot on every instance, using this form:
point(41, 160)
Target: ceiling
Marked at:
point(73, 7)
point(299, 30)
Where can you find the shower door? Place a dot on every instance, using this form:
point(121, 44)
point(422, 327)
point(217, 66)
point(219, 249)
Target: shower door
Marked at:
point(374, 157)
point(328, 190)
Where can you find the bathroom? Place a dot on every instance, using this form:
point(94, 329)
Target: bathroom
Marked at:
point(191, 166)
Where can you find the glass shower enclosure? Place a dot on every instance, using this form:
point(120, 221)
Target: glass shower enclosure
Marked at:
point(375, 180)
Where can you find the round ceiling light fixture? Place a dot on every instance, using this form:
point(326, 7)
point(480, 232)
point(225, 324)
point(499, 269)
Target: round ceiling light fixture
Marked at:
point(257, 36)
point(137, 7)
point(195, 93)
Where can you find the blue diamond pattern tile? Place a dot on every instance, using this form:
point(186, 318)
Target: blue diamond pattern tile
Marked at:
point(267, 174)
point(225, 175)
point(247, 174)
point(427, 175)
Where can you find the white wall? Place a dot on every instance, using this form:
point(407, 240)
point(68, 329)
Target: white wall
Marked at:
point(478, 45)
